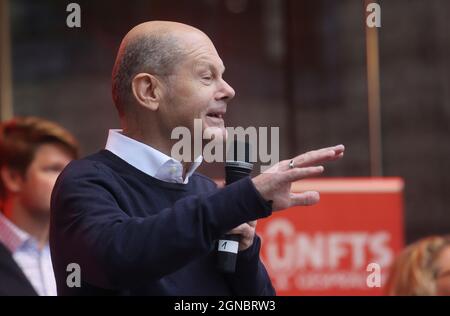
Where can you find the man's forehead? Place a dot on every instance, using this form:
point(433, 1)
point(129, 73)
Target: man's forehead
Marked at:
point(203, 52)
point(194, 44)
point(210, 62)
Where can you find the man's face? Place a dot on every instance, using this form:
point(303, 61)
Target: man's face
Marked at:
point(40, 177)
point(196, 88)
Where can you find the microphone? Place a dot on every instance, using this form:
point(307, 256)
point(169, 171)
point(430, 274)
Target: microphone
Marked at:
point(237, 168)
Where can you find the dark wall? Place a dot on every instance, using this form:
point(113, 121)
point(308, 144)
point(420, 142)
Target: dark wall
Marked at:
point(299, 65)
point(415, 92)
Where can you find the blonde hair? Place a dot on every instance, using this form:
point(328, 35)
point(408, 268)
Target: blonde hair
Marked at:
point(414, 271)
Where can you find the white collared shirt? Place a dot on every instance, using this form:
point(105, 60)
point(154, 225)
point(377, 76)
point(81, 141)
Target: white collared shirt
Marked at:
point(148, 159)
point(35, 263)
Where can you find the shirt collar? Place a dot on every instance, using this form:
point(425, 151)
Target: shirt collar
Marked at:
point(148, 159)
point(12, 236)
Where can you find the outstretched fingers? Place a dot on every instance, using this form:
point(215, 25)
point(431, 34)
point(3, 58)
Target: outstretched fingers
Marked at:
point(319, 156)
point(296, 174)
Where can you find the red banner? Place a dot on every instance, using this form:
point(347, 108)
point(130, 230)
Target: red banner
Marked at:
point(342, 246)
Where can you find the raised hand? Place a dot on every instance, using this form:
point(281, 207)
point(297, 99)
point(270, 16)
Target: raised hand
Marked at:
point(275, 183)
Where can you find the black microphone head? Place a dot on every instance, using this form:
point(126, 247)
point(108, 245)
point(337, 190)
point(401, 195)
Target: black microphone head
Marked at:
point(238, 163)
point(239, 154)
point(241, 151)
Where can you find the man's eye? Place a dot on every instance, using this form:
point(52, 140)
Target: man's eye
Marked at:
point(207, 77)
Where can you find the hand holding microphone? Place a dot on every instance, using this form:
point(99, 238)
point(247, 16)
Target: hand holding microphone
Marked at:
point(274, 185)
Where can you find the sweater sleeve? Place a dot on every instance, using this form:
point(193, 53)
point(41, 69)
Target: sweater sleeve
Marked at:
point(251, 278)
point(114, 250)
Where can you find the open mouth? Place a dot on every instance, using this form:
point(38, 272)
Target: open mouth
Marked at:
point(216, 115)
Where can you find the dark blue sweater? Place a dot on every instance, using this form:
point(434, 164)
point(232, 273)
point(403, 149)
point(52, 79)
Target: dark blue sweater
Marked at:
point(132, 234)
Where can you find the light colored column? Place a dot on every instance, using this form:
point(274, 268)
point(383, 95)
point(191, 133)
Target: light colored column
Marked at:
point(374, 103)
point(6, 100)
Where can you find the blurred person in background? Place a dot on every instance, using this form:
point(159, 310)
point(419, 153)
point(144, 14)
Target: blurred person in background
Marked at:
point(33, 152)
point(422, 269)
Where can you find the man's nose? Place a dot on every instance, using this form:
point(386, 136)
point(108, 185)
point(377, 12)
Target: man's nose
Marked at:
point(226, 92)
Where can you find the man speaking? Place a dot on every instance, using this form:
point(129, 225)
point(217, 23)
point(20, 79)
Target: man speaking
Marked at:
point(139, 222)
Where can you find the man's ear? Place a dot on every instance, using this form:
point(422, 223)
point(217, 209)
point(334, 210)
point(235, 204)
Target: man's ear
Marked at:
point(12, 179)
point(147, 90)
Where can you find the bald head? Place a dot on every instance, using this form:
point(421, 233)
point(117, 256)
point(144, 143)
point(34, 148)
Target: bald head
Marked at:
point(160, 27)
point(154, 47)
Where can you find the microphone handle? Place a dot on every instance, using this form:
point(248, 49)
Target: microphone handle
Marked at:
point(228, 245)
point(227, 250)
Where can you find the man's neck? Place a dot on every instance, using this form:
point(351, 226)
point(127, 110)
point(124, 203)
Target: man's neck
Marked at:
point(186, 167)
point(161, 144)
point(38, 228)
point(157, 142)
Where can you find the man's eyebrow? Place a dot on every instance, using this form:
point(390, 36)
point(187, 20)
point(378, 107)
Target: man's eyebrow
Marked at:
point(221, 69)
